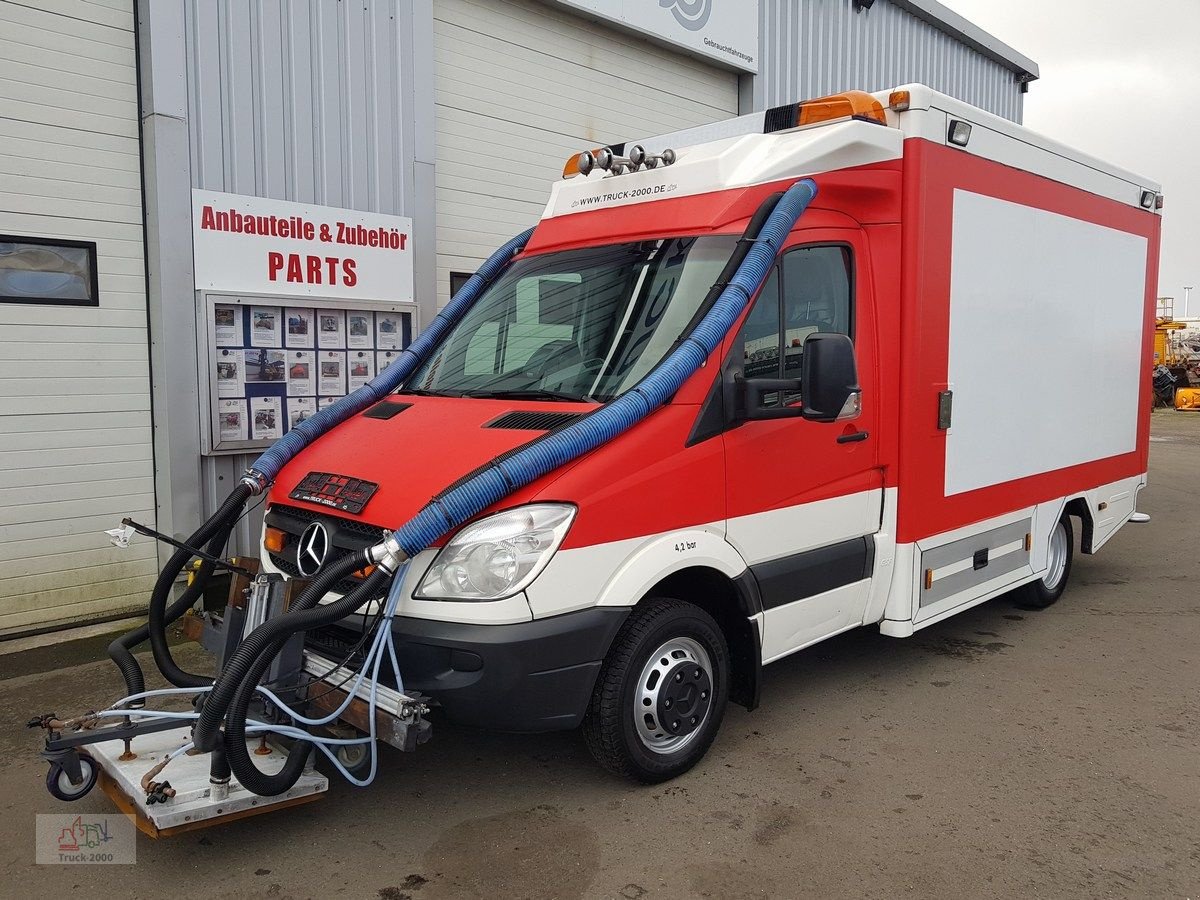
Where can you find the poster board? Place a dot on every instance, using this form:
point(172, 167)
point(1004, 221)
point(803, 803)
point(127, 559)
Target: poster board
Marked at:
point(270, 361)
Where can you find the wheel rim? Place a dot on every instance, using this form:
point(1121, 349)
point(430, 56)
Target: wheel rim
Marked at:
point(1057, 557)
point(674, 696)
point(64, 781)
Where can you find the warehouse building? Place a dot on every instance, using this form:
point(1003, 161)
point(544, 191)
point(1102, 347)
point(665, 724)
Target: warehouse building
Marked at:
point(215, 215)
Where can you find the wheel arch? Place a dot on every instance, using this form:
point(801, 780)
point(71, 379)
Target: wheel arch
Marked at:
point(734, 604)
point(1078, 507)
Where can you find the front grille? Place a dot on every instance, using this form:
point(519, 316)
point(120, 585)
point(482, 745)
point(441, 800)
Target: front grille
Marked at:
point(337, 644)
point(373, 533)
point(346, 536)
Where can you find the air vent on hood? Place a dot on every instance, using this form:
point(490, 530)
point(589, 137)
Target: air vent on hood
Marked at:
point(534, 421)
point(385, 409)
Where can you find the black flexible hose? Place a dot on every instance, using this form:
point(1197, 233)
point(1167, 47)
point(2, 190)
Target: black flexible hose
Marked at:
point(266, 635)
point(220, 522)
point(120, 650)
point(248, 774)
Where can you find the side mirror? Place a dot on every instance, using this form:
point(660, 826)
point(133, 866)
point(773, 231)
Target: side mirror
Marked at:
point(829, 375)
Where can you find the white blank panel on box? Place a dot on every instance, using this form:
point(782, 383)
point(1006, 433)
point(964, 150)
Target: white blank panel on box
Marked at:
point(1046, 318)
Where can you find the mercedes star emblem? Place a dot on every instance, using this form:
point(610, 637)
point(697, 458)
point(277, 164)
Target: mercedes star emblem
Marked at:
point(314, 547)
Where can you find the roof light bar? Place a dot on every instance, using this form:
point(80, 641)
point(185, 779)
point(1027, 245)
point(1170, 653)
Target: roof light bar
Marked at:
point(609, 160)
point(848, 105)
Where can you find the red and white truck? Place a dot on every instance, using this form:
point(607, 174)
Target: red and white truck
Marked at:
point(974, 268)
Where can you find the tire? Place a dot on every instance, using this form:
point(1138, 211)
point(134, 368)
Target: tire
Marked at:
point(1046, 590)
point(669, 656)
point(59, 784)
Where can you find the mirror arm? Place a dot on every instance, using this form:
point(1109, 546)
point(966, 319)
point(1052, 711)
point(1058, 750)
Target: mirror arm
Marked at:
point(754, 388)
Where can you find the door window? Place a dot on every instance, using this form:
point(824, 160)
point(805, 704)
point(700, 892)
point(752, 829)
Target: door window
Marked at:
point(808, 291)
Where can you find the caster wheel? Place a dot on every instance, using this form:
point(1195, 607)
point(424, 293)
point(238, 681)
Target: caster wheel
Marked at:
point(356, 758)
point(60, 786)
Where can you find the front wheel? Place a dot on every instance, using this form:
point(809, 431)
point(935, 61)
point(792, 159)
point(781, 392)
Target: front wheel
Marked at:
point(1059, 556)
point(661, 693)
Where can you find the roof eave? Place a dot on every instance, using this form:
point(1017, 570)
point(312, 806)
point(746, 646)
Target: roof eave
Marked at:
point(950, 22)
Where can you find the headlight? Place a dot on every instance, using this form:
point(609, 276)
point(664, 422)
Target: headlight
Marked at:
point(498, 556)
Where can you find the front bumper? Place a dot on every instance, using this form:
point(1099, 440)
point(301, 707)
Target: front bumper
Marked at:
point(529, 676)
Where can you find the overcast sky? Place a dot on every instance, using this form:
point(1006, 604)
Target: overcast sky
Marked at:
point(1119, 80)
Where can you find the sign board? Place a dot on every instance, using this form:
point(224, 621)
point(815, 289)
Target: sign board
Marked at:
point(269, 362)
point(253, 245)
point(722, 30)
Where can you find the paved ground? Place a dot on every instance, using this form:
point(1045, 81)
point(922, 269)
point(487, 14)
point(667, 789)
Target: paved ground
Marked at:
point(1000, 753)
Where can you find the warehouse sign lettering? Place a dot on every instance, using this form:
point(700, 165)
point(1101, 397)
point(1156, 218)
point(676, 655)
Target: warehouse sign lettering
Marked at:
point(254, 245)
point(721, 30)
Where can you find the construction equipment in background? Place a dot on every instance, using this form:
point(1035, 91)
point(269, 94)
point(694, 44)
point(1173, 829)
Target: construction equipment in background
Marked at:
point(1171, 356)
point(1187, 398)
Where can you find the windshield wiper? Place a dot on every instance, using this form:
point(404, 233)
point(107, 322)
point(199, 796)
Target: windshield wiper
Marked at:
point(532, 394)
point(425, 392)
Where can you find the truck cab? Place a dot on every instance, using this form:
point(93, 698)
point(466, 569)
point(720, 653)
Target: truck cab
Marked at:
point(792, 488)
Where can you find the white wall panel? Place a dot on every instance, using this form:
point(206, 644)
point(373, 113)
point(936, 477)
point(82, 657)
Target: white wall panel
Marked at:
point(520, 87)
point(75, 436)
point(1018, 335)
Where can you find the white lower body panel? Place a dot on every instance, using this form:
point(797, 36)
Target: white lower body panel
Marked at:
point(941, 575)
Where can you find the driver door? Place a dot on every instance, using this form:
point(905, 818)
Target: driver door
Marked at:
point(804, 497)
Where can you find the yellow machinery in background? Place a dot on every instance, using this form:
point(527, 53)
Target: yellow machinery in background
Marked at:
point(1171, 357)
point(1168, 350)
point(1187, 398)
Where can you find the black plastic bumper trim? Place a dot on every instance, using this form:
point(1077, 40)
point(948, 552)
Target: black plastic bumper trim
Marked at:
point(529, 676)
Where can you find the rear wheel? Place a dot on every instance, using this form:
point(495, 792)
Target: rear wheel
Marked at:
point(661, 693)
point(1059, 556)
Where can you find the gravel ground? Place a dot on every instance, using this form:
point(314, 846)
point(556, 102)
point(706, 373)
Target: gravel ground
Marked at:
point(1000, 753)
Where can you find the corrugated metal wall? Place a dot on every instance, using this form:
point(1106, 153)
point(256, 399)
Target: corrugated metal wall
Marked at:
point(810, 48)
point(300, 101)
point(333, 103)
point(312, 102)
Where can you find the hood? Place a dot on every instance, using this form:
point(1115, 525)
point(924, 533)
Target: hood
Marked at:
point(418, 452)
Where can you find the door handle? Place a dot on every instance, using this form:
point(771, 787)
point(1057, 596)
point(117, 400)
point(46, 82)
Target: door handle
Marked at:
point(853, 437)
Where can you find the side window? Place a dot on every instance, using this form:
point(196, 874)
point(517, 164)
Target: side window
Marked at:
point(816, 298)
point(808, 291)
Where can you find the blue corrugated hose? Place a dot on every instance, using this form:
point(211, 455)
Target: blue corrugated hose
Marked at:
point(504, 476)
point(282, 451)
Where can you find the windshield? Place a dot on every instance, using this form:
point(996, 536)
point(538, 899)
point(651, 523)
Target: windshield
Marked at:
point(579, 324)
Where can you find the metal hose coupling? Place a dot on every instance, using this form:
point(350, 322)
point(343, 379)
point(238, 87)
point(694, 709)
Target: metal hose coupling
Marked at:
point(388, 556)
point(255, 480)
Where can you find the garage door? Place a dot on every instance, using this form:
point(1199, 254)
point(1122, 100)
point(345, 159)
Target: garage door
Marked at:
point(75, 429)
point(520, 87)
